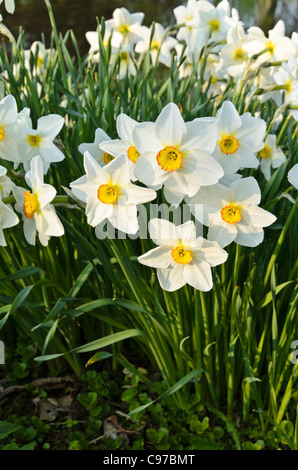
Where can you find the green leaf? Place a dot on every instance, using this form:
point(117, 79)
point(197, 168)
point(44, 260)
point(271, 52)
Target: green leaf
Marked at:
point(97, 344)
point(171, 391)
point(7, 428)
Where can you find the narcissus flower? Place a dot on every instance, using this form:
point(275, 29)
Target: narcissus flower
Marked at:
point(37, 212)
point(232, 213)
point(182, 258)
point(7, 219)
point(270, 156)
point(293, 176)
point(125, 144)
point(176, 154)
point(109, 194)
point(239, 138)
point(127, 24)
point(102, 157)
point(276, 46)
point(158, 42)
point(40, 141)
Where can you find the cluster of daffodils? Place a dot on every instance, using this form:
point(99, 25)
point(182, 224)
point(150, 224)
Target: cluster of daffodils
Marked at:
point(204, 31)
point(196, 162)
point(34, 150)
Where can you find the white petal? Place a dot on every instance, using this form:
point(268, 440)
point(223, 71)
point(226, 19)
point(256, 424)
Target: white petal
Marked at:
point(228, 119)
point(293, 176)
point(248, 235)
point(170, 126)
point(257, 216)
point(201, 135)
point(136, 194)
point(220, 231)
point(171, 279)
point(49, 126)
point(125, 126)
point(198, 275)
point(8, 110)
point(247, 191)
point(145, 138)
point(159, 257)
point(53, 227)
point(163, 232)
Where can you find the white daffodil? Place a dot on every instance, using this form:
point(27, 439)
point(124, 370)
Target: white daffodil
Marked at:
point(37, 48)
point(127, 63)
point(125, 126)
point(102, 157)
point(5, 183)
point(37, 212)
point(7, 219)
point(232, 213)
point(270, 156)
point(287, 76)
point(8, 134)
point(158, 42)
point(214, 21)
point(176, 154)
point(40, 141)
point(109, 194)
point(232, 56)
point(277, 45)
point(92, 38)
point(238, 139)
point(182, 258)
point(9, 5)
point(293, 176)
point(127, 24)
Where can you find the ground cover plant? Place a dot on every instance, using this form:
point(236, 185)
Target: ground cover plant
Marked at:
point(149, 198)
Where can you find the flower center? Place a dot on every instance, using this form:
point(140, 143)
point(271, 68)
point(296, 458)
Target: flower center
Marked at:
point(124, 29)
point(1, 133)
point(31, 204)
point(124, 56)
point(270, 46)
point(154, 45)
point(107, 193)
point(107, 158)
point(133, 154)
point(169, 158)
point(180, 255)
point(265, 152)
point(34, 140)
point(228, 145)
point(231, 214)
point(39, 61)
point(240, 54)
point(214, 25)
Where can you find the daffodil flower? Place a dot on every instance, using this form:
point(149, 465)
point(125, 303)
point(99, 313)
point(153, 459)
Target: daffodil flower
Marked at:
point(7, 219)
point(232, 213)
point(239, 138)
point(158, 42)
point(102, 157)
point(127, 24)
point(182, 258)
point(109, 194)
point(37, 212)
point(277, 45)
point(270, 156)
point(40, 141)
point(176, 154)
